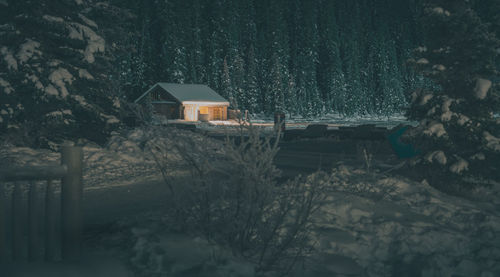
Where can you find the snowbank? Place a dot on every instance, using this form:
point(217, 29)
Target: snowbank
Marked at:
point(126, 158)
point(388, 226)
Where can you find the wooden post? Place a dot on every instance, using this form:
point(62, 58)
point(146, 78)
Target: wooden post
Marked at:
point(71, 202)
point(17, 223)
point(3, 225)
point(50, 223)
point(33, 223)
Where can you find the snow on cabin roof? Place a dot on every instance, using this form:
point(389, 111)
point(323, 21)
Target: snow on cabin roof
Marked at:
point(188, 93)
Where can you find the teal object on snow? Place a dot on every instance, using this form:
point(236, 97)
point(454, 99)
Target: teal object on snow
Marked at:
point(403, 151)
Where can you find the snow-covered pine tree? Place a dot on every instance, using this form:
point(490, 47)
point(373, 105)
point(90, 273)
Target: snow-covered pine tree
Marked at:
point(330, 67)
point(351, 59)
point(276, 85)
point(278, 55)
point(215, 40)
point(226, 86)
point(248, 40)
point(196, 70)
point(458, 132)
point(176, 42)
point(389, 89)
point(308, 60)
point(251, 86)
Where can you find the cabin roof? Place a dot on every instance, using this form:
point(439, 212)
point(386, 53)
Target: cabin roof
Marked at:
point(188, 93)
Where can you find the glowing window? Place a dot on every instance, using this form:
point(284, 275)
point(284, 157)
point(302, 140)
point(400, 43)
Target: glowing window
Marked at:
point(203, 110)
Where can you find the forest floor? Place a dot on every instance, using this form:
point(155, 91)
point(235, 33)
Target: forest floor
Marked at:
point(373, 223)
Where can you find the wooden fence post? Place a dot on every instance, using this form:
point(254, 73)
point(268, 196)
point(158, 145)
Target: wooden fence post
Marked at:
point(17, 222)
point(3, 225)
point(71, 202)
point(50, 223)
point(33, 223)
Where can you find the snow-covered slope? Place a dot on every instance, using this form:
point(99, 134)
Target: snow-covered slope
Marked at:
point(377, 225)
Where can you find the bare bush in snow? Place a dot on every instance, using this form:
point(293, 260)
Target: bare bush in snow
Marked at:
point(232, 196)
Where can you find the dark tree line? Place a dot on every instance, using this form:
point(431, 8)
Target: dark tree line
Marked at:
point(302, 57)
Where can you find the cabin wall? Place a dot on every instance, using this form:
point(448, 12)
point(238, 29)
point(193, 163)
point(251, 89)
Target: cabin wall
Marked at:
point(217, 113)
point(170, 111)
point(191, 112)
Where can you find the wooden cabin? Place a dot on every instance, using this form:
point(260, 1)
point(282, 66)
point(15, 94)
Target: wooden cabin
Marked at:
point(185, 101)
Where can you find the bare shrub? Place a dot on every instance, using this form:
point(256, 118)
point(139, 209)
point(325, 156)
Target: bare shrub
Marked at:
point(232, 196)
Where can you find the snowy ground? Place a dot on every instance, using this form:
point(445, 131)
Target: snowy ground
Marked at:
point(266, 123)
point(375, 225)
point(371, 225)
point(334, 120)
point(126, 158)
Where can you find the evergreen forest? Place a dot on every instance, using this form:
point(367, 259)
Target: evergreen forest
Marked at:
point(304, 58)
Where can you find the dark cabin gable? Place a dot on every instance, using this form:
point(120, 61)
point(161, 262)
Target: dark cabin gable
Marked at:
point(159, 95)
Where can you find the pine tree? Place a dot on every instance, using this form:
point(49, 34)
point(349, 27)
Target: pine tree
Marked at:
point(216, 41)
point(251, 86)
point(308, 60)
point(196, 69)
point(278, 75)
point(176, 43)
point(249, 98)
point(226, 86)
point(331, 74)
point(321, 51)
point(458, 133)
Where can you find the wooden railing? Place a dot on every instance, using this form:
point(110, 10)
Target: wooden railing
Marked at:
point(20, 233)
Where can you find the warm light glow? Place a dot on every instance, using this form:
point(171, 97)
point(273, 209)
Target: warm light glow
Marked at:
point(203, 110)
